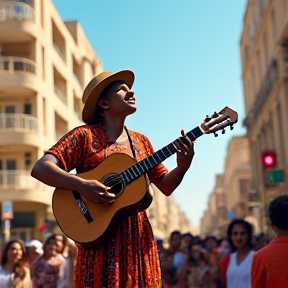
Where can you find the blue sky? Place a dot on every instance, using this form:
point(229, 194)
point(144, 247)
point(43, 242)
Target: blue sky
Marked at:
point(186, 58)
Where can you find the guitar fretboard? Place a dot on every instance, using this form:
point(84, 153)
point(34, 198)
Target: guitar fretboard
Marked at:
point(156, 158)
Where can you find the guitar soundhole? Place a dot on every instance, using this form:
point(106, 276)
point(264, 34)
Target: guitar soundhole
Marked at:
point(115, 182)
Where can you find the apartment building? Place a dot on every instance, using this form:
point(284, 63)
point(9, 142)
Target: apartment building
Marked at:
point(230, 197)
point(44, 65)
point(264, 53)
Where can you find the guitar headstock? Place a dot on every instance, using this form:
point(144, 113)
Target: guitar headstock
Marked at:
point(218, 121)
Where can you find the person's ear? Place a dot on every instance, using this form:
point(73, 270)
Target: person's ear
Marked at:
point(104, 104)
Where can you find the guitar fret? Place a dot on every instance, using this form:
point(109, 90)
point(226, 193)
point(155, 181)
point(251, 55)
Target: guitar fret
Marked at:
point(131, 168)
point(126, 178)
point(136, 174)
point(158, 156)
point(130, 174)
point(144, 162)
point(169, 150)
point(154, 159)
point(143, 170)
point(162, 150)
point(149, 162)
point(192, 135)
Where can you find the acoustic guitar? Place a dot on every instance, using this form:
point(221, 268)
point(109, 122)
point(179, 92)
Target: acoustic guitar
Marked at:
point(94, 224)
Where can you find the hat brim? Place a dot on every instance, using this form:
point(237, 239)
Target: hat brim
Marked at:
point(89, 115)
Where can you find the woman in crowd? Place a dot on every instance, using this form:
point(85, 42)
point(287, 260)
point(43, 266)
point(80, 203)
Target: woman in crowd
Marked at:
point(46, 270)
point(14, 272)
point(224, 248)
point(197, 268)
point(236, 267)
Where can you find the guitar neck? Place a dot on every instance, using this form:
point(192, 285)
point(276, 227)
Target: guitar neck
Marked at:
point(143, 166)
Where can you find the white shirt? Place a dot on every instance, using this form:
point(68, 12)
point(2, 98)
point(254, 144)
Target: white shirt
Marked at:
point(238, 276)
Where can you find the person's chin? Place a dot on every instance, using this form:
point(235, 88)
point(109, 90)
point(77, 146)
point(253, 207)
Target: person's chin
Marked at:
point(132, 110)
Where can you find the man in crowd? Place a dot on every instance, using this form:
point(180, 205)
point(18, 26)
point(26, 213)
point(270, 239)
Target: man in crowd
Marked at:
point(270, 264)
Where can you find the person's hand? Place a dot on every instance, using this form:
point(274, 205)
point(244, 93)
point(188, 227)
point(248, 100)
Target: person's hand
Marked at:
point(185, 152)
point(97, 192)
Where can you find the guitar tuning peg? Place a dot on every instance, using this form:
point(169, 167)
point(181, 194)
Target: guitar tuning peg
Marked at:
point(215, 134)
point(223, 131)
point(231, 127)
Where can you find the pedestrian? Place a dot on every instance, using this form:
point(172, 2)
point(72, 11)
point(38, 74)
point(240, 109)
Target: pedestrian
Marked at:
point(270, 263)
point(14, 270)
point(46, 270)
point(130, 258)
point(236, 267)
point(34, 249)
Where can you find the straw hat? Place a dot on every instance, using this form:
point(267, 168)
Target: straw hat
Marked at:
point(96, 86)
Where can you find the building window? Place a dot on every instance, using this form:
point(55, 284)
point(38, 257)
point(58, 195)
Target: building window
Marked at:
point(23, 220)
point(27, 109)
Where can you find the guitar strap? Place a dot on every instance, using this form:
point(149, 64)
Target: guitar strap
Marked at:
point(131, 143)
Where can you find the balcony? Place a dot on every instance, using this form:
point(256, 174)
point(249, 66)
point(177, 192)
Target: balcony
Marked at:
point(78, 87)
point(60, 95)
point(16, 10)
point(12, 65)
point(17, 180)
point(18, 123)
point(271, 78)
point(18, 129)
point(18, 185)
point(60, 52)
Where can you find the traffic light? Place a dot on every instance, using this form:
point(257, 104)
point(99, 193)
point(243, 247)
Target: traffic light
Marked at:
point(269, 159)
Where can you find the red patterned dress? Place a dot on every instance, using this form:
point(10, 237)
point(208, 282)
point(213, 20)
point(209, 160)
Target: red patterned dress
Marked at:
point(130, 259)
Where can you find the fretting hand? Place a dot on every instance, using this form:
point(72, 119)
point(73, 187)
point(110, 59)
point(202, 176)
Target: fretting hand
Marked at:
point(185, 151)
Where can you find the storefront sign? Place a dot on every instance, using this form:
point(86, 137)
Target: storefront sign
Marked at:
point(7, 210)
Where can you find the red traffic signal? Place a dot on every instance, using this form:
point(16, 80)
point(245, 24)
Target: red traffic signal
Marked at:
point(269, 159)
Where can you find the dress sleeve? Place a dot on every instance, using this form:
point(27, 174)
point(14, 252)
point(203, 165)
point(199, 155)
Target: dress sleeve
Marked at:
point(156, 173)
point(70, 149)
point(258, 272)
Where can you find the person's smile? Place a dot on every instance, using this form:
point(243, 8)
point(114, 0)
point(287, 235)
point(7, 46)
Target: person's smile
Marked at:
point(129, 98)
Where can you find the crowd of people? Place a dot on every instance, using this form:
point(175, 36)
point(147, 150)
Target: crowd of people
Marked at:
point(37, 265)
point(237, 261)
point(241, 260)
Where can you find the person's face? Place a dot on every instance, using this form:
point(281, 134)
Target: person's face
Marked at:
point(32, 255)
point(175, 242)
point(185, 242)
point(119, 100)
point(210, 244)
point(167, 261)
point(15, 252)
point(225, 247)
point(196, 252)
point(51, 248)
point(59, 243)
point(239, 236)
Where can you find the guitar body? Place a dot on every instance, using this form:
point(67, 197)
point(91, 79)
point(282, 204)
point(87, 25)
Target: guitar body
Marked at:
point(135, 197)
